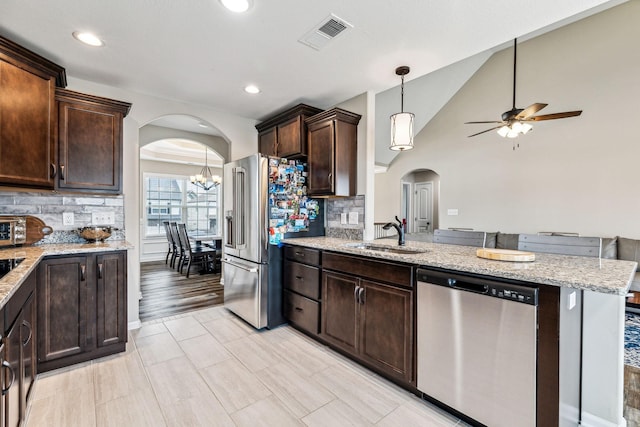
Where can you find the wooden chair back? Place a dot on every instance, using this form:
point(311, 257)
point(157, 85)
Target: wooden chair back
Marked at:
point(458, 237)
point(561, 245)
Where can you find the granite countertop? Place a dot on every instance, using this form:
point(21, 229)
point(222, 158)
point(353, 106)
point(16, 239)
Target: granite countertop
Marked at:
point(599, 275)
point(33, 254)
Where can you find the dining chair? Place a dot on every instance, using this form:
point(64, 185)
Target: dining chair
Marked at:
point(460, 237)
point(172, 245)
point(561, 245)
point(178, 253)
point(194, 254)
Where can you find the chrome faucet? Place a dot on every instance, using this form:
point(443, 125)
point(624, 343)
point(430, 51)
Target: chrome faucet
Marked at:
point(399, 228)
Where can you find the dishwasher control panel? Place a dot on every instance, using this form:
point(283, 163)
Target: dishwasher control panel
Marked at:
point(480, 285)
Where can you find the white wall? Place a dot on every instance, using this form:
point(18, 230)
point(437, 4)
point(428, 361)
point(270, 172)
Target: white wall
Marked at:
point(577, 174)
point(239, 131)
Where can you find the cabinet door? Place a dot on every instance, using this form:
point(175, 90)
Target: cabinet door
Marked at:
point(27, 124)
point(62, 307)
point(339, 310)
point(386, 328)
point(27, 341)
point(90, 140)
point(290, 141)
point(321, 158)
point(111, 299)
point(12, 376)
point(267, 142)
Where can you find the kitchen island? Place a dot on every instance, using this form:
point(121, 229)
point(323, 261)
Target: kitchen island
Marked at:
point(588, 309)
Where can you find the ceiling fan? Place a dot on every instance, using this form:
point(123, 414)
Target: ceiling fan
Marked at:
point(514, 121)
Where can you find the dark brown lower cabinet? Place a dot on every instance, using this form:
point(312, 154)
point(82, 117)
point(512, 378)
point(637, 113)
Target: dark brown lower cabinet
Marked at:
point(19, 352)
point(82, 311)
point(372, 321)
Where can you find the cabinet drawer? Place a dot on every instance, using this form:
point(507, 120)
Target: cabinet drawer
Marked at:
point(397, 274)
point(303, 279)
point(303, 255)
point(302, 312)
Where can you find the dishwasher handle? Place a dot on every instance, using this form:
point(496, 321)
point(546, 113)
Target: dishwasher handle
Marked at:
point(466, 286)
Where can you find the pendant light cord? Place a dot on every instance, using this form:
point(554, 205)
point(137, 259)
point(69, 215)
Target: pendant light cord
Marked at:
point(402, 94)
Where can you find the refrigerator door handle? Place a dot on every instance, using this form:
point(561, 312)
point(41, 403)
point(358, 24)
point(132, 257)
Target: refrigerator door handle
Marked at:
point(239, 203)
point(240, 266)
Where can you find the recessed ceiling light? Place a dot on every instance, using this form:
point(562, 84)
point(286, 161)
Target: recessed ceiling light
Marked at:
point(237, 6)
point(88, 38)
point(252, 89)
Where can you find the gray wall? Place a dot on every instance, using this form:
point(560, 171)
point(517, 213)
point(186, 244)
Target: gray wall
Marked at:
point(576, 174)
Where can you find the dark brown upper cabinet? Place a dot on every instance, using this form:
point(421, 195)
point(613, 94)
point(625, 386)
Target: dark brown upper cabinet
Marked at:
point(27, 117)
point(333, 156)
point(285, 134)
point(90, 142)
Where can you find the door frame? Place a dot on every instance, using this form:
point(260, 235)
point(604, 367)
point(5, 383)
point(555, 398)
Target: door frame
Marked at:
point(406, 204)
point(416, 207)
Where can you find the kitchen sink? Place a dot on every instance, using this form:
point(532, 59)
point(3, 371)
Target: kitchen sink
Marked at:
point(384, 248)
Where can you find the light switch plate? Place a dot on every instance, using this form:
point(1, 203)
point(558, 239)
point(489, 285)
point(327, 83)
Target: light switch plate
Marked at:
point(343, 218)
point(353, 218)
point(452, 211)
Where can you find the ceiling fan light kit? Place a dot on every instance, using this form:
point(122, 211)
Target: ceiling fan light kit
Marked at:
point(402, 123)
point(514, 122)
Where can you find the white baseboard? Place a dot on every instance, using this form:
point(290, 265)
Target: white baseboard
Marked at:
point(590, 420)
point(136, 324)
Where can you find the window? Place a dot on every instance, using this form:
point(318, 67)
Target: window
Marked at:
point(174, 198)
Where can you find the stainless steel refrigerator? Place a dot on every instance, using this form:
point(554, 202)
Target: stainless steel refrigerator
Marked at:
point(264, 200)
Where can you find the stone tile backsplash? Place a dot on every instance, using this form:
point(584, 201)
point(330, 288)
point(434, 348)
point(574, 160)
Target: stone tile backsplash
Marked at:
point(335, 207)
point(49, 207)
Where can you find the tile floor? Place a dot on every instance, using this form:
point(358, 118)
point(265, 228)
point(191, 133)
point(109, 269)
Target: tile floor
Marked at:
point(208, 368)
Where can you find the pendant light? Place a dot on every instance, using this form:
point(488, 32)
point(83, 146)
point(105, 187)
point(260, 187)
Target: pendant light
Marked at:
point(205, 179)
point(402, 123)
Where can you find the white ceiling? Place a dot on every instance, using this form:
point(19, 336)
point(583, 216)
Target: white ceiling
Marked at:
point(198, 52)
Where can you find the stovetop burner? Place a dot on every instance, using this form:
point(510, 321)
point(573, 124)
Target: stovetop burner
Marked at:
point(6, 265)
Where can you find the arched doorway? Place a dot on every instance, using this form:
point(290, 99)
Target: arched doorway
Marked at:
point(172, 151)
point(419, 202)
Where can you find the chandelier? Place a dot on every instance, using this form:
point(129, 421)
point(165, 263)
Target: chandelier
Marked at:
point(205, 179)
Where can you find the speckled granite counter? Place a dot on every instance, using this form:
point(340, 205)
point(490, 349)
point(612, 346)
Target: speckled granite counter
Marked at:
point(33, 254)
point(599, 275)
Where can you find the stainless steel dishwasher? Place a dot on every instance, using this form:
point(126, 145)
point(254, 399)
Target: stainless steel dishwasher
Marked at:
point(477, 346)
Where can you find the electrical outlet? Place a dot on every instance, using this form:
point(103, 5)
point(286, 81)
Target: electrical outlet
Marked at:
point(67, 218)
point(103, 218)
point(452, 211)
point(353, 218)
point(343, 218)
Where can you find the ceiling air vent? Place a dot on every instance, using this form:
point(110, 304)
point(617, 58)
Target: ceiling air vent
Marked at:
point(324, 32)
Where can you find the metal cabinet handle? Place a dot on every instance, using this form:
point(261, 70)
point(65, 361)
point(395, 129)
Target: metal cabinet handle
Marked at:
point(355, 294)
point(61, 171)
point(28, 325)
point(6, 364)
point(361, 295)
point(83, 272)
point(99, 270)
point(329, 178)
point(300, 278)
point(54, 170)
point(300, 254)
point(299, 309)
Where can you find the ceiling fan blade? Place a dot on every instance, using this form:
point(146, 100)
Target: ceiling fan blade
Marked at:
point(555, 116)
point(530, 110)
point(484, 131)
point(482, 123)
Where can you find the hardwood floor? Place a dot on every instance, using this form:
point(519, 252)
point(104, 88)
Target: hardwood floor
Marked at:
point(165, 292)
